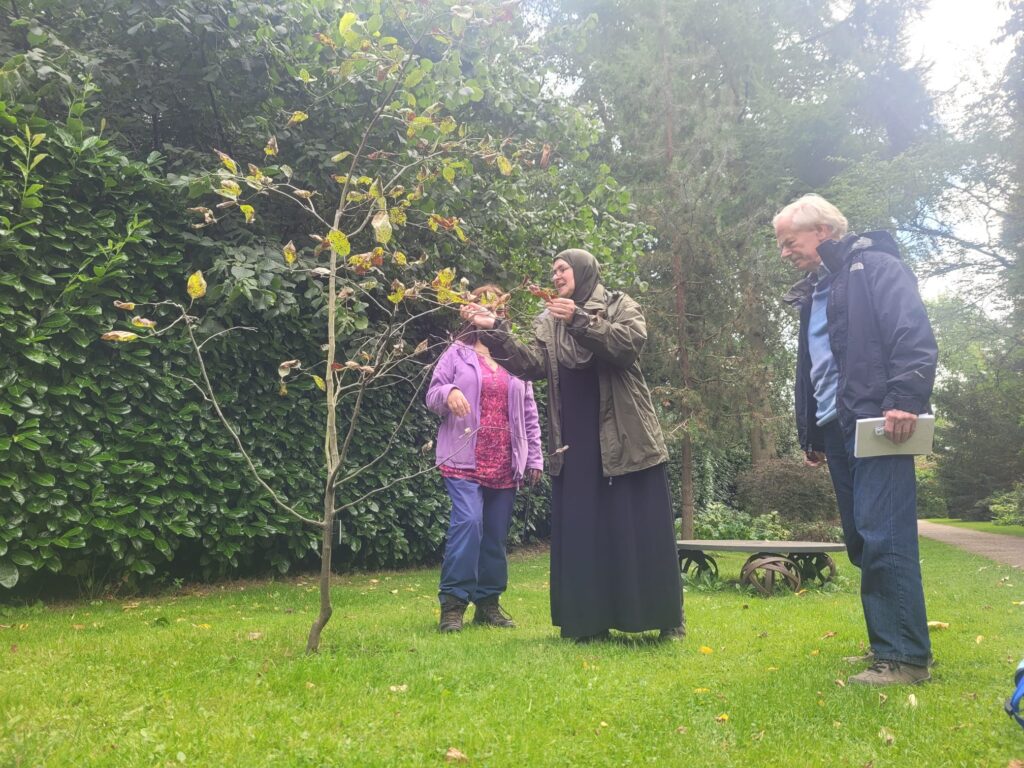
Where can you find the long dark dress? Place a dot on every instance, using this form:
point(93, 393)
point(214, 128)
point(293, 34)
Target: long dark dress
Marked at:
point(613, 552)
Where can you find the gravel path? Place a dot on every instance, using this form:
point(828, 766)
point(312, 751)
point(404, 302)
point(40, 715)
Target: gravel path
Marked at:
point(996, 546)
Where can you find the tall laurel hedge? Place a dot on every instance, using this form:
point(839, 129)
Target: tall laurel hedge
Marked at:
point(111, 466)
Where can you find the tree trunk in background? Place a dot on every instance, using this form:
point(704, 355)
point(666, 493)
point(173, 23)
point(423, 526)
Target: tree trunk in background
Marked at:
point(686, 451)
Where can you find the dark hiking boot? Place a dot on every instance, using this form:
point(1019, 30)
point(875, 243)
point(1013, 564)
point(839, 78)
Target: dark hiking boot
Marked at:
point(452, 611)
point(891, 673)
point(489, 612)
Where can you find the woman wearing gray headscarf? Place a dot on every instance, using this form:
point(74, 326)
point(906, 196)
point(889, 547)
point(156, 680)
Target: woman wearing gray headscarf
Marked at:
point(613, 552)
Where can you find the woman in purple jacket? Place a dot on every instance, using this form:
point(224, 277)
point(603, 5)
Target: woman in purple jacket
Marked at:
point(488, 444)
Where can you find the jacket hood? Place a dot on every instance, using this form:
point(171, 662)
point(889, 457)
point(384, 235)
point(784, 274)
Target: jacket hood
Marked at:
point(835, 253)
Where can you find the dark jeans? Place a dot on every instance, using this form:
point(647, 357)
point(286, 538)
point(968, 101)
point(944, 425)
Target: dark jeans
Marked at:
point(475, 566)
point(878, 506)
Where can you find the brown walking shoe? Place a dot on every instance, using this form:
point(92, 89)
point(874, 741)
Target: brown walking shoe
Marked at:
point(891, 673)
point(869, 658)
point(489, 612)
point(452, 611)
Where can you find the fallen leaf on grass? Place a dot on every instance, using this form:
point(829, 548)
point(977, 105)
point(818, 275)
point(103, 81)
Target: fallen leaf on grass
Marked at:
point(701, 690)
point(938, 625)
point(1015, 764)
point(454, 755)
point(757, 736)
point(841, 683)
point(772, 669)
point(78, 626)
point(971, 696)
point(1017, 602)
point(722, 718)
point(681, 729)
point(14, 648)
point(815, 652)
point(706, 650)
point(828, 634)
point(979, 639)
point(882, 698)
point(886, 736)
point(399, 688)
point(604, 724)
point(912, 701)
point(254, 635)
point(310, 684)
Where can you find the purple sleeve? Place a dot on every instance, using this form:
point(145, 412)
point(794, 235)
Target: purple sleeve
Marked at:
point(534, 456)
point(442, 382)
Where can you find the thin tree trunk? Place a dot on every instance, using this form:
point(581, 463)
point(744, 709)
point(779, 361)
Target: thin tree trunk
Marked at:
point(686, 452)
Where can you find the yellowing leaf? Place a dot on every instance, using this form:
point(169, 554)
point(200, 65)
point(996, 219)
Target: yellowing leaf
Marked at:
point(271, 149)
point(229, 189)
point(706, 650)
point(397, 292)
point(230, 164)
point(143, 322)
point(196, 285)
point(249, 212)
point(297, 117)
point(886, 736)
point(397, 216)
point(400, 258)
point(382, 227)
point(504, 165)
point(979, 639)
point(448, 125)
point(119, 336)
point(912, 701)
point(289, 252)
point(339, 242)
point(938, 625)
point(701, 690)
point(448, 172)
point(346, 22)
point(339, 157)
point(421, 347)
point(454, 755)
point(126, 305)
point(305, 77)
point(320, 383)
point(722, 718)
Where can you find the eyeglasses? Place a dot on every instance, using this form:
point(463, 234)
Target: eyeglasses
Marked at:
point(559, 271)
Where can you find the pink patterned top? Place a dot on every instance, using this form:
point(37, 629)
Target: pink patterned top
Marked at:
point(494, 441)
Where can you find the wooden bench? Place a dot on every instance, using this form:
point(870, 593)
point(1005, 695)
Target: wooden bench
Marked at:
point(791, 562)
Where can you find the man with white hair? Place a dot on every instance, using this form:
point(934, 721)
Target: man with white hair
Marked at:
point(866, 350)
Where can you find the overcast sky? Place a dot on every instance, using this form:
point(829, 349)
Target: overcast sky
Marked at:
point(957, 36)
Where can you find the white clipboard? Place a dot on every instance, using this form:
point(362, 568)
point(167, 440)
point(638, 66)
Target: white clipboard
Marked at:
point(870, 440)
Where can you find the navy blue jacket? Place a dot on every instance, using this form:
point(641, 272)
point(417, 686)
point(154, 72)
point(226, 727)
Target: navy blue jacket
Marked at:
point(878, 331)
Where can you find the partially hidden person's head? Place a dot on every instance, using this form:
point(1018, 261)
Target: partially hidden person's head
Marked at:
point(487, 294)
point(575, 274)
point(805, 224)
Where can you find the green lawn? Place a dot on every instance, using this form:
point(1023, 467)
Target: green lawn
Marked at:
point(985, 527)
point(218, 678)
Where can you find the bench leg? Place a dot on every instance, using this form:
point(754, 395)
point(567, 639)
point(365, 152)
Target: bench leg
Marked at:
point(762, 571)
point(815, 565)
point(700, 561)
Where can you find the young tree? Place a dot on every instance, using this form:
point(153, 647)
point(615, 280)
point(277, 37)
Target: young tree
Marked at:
point(410, 146)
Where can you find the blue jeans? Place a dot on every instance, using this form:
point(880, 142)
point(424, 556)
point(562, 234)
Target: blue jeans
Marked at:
point(475, 566)
point(878, 506)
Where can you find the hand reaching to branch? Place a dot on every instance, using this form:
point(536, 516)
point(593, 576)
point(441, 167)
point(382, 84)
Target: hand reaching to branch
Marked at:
point(562, 309)
point(478, 315)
